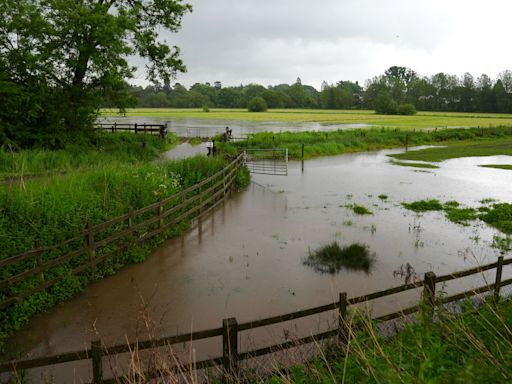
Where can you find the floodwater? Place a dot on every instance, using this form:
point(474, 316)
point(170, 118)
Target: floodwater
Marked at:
point(240, 128)
point(246, 259)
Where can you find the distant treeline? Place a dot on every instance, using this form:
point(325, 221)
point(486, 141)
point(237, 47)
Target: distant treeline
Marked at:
point(441, 92)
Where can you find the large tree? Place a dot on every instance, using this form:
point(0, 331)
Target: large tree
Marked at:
point(63, 58)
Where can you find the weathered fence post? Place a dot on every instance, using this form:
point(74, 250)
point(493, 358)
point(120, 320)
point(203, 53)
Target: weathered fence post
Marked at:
point(89, 238)
point(429, 293)
point(97, 366)
point(342, 321)
point(230, 347)
point(497, 284)
point(135, 128)
point(224, 182)
point(39, 261)
point(161, 216)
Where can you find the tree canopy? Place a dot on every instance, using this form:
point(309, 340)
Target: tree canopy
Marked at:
point(60, 60)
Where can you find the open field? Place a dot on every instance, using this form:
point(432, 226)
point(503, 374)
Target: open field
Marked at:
point(421, 120)
point(489, 147)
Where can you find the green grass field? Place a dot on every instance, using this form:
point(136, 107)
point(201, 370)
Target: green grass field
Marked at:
point(477, 147)
point(421, 120)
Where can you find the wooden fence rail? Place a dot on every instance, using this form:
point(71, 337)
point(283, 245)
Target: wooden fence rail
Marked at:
point(231, 329)
point(100, 242)
point(152, 129)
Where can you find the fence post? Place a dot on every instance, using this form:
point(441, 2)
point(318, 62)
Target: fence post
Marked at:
point(89, 238)
point(39, 261)
point(97, 366)
point(342, 321)
point(429, 292)
point(230, 347)
point(135, 127)
point(224, 181)
point(497, 284)
point(161, 215)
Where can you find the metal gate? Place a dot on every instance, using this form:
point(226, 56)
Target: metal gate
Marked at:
point(267, 161)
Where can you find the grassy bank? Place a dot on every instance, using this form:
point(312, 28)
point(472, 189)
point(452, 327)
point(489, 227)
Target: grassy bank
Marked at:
point(55, 208)
point(421, 120)
point(470, 348)
point(492, 140)
point(492, 146)
point(105, 148)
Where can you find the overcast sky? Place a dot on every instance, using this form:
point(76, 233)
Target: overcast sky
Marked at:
point(275, 41)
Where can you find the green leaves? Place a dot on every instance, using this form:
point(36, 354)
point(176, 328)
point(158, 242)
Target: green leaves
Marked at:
point(73, 56)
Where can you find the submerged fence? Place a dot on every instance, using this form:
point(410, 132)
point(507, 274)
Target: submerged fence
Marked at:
point(152, 129)
point(231, 329)
point(43, 267)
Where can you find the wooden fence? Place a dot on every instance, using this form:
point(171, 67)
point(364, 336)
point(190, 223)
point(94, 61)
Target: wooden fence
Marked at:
point(231, 329)
point(152, 129)
point(45, 266)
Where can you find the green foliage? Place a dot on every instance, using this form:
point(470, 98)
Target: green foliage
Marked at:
point(497, 166)
point(465, 142)
point(424, 205)
point(415, 165)
point(105, 148)
point(257, 104)
point(383, 196)
point(406, 109)
point(360, 209)
point(500, 217)
point(462, 215)
point(385, 105)
point(467, 348)
point(70, 57)
point(331, 258)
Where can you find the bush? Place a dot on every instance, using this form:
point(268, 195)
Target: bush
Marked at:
point(257, 104)
point(406, 109)
point(385, 105)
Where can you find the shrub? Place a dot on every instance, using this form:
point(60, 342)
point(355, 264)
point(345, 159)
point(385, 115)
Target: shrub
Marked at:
point(257, 104)
point(406, 109)
point(385, 105)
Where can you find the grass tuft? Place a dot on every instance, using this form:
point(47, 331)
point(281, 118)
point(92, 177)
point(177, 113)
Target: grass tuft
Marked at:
point(331, 258)
point(424, 205)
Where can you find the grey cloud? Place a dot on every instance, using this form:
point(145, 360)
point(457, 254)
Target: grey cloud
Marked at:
point(274, 41)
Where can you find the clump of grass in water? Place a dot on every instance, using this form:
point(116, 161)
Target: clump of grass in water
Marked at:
point(359, 209)
point(415, 165)
point(462, 215)
point(497, 166)
point(383, 196)
point(424, 205)
point(331, 258)
point(500, 217)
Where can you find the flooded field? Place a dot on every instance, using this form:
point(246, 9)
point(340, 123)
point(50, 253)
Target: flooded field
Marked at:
point(241, 128)
point(247, 259)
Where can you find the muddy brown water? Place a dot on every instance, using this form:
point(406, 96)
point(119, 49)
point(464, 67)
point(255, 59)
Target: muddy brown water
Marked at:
point(246, 260)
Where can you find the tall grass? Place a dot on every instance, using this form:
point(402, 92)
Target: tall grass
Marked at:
point(470, 348)
point(105, 148)
point(356, 140)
